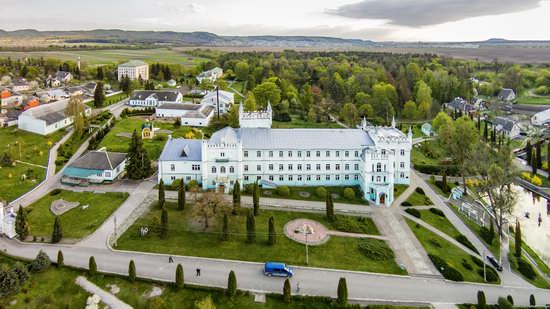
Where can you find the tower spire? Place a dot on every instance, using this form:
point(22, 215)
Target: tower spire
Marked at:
point(393, 122)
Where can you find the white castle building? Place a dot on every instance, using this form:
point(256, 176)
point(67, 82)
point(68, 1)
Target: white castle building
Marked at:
point(373, 158)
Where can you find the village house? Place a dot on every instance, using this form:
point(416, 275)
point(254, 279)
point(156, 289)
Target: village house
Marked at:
point(48, 118)
point(21, 85)
point(461, 105)
point(541, 118)
point(9, 117)
point(219, 99)
point(190, 114)
point(154, 98)
point(134, 70)
point(373, 158)
point(10, 98)
point(95, 167)
point(506, 126)
point(506, 95)
point(51, 95)
point(210, 75)
point(60, 77)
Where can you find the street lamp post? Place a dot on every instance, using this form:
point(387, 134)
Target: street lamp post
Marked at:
point(307, 254)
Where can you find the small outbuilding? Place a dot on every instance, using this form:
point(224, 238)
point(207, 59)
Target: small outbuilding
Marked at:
point(427, 129)
point(99, 166)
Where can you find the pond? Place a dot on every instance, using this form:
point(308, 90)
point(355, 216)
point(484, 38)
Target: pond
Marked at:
point(533, 214)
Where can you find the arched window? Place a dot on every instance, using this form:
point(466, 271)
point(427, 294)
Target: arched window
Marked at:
point(378, 178)
point(231, 169)
point(213, 169)
point(222, 170)
point(379, 167)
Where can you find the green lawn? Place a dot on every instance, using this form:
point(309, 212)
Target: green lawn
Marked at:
point(545, 269)
point(427, 152)
point(295, 194)
point(474, 227)
point(108, 56)
point(26, 147)
point(419, 199)
point(398, 190)
point(110, 100)
point(454, 256)
point(542, 100)
point(238, 86)
point(188, 238)
point(539, 281)
point(297, 122)
point(417, 131)
point(154, 147)
point(441, 223)
point(76, 223)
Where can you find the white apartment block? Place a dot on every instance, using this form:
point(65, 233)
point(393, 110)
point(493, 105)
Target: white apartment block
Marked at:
point(373, 158)
point(133, 69)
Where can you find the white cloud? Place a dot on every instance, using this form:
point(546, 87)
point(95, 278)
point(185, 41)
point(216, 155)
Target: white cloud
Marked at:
point(197, 8)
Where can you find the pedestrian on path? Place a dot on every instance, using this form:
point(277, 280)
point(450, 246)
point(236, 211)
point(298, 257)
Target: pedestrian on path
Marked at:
point(540, 219)
point(170, 259)
point(298, 285)
point(198, 272)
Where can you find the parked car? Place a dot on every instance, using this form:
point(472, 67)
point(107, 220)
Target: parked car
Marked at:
point(278, 269)
point(494, 262)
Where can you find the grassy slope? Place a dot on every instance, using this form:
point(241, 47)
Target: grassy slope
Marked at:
point(447, 251)
point(76, 222)
point(538, 281)
point(128, 125)
point(418, 199)
point(185, 239)
point(441, 223)
point(27, 149)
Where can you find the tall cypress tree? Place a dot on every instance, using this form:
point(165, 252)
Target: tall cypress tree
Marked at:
point(272, 234)
point(518, 239)
point(342, 292)
point(528, 152)
point(57, 233)
point(131, 271)
point(162, 196)
point(225, 229)
point(139, 165)
point(534, 165)
point(256, 198)
point(287, 293)
point(486, 131)
point(250, 227)
point(21, 224)
point(181, 196)
point(164, 223)
point(179, 276)
point(92, 266)
point(60, 259)
point(236, 198)
point(99, 95)
point(539, 154)
point(231, 284)
point(329, 208)
point(481, 301)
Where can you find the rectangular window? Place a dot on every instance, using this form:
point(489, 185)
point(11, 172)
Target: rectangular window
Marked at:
point(356, 153)
point(356, 167)
point(172, 177)
point(327, 177)
point(246, 178)
point(299, 177)
point(290, 154)
point(246, 168)
point(337, 153)
point(196, 167)
point(356, 177)
point(258, 177)
point(281, 178)
point(402, 175)
point(337, 167)
point(402, 165)
point(172, 167)
point(299, 167)
point(402, 152)
point(246, 154)
point(308, 177)
point(383, 151)
point(281, 167)
point(327, 153)
point(346, 154)
point(290, 167)
point(270, 177)
point(299, 154)
point(258, 154)
point(346, 167)
point(346, 177)
point(222, 154)
point(327, 167)
point(289, 177)
point(280, 154)
point(337, 177)
point(318, 167)
point(308, 154)
point(188, 178)
point(318, 154)
point(258, 167)
point(308, 167)
point(270, 167)
point(318, 177)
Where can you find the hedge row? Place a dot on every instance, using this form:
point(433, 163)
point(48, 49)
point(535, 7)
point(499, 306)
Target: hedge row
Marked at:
point(445, 269)
point(413, 212)
point(436, 169)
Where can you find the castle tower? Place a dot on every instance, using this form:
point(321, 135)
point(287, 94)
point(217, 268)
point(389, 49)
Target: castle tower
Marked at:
point(256, 119)
point(393, 122)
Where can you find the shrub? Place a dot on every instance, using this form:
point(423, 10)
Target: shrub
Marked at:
point(437, 211)
point(467, 265)
point(342, 292)
point(192, 184)
point(249, 188)
point(476, 261)
point(55, 192)
point(439, 184)
point(321, 192)
point(40, 263)
point(486, 235)
point(510, 299)
point(419, 190)
point(132, 271)
point(481, 300)
point(176, 184)
point(92, 266)
point(376, 250)
point(434, 242)
point(179, 276)
point(60, 260)
point(283, 191)
point(491, 274)
point(350, 224)
point(464, 241)
point(526, 269)
point(532, 301)
point(413, 212)
point(349, 194)
point(406, 203)
point(445, 269)
point(231, 284)
point(286, 291)
point(503, 303)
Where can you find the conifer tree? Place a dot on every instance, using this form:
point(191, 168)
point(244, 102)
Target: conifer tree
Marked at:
point(181, 196)
point(342, 292)
point(518, 239)
point(528, 152)
point(287, 297)
point(9, 283)
point(162, 196)
point(481, 301)
point(231, 284)
point(57, 233)
point(250, 227)
point(131, 271)
point(21, 272)
point(60, 259)
point(539, 154)
point(491, 231)
point(532, 301)
point(139, 165)
point(272, 240)
point(225, 229)
point(486, 131)
point(329, 208)
point(236, 198)
point(164, 223)
point(99, 95)
point(256, 199)
point(92, 266)
point(534, 166)
point(21, 224)
point(179, 276)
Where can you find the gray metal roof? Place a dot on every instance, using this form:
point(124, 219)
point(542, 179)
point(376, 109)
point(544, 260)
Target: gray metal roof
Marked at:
point(50, 113)
point(133, 63)
point(160, 95)
point(461, 104)
point(99, 160)
point(304, 139)
point(504, 93)
point(181, 149)
point(180, 106)
point(505, 124)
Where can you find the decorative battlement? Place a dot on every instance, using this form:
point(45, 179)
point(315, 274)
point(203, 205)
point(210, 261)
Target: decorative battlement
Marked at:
point(255, 119)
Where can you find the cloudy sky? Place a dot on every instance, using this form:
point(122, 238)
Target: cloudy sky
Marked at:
point(381, 20)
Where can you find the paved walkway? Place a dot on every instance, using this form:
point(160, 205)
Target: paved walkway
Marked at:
point(53, 154)
point(106, 297)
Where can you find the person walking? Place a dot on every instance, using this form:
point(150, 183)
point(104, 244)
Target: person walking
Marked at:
point(198, 271)
point(298, 286)
point(540, 219)
point(170, 259)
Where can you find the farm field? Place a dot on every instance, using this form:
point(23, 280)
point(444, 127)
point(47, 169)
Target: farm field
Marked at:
point(107, 56)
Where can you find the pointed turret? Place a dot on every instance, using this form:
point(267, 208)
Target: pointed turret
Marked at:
point(364, 123)
point(268, 109)
point(393, 122)
point(410, 133)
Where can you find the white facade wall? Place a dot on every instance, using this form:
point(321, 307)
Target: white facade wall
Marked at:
point(169, 171)
point(134, 72)
point(197, 122)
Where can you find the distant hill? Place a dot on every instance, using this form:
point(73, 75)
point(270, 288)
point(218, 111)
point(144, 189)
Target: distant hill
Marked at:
point(116, 36)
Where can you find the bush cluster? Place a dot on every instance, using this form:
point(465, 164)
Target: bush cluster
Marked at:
point(467, 265)
point(406, 203)
point(133, 112)
point(464, 241)
point(445, 269)
point(176, 184)
point(349, 194)
point(321, 192)
point(349, 224)
point(419, 190)
point(413, 212)
point(55, 192)
point(476, 261)
point(486, 235)
point(439, 184)
point(491, 274)
point(96, 139)
point(436, 169)
point(376, 250)
point(526, 269)
point(437, 211)
point(283, 191)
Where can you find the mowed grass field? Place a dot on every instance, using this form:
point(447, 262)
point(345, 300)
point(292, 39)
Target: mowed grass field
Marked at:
point(107, 56)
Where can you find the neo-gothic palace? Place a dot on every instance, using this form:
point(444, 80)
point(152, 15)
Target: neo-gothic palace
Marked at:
point(374, 158)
